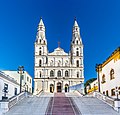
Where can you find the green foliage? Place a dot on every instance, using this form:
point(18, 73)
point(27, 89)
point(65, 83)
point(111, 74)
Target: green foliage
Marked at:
point(88, 82)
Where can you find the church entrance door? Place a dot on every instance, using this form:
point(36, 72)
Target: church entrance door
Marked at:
point(59, 87)
point(51, 88)
point(66, 87)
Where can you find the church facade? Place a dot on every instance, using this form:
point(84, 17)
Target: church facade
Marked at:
point(57, 71)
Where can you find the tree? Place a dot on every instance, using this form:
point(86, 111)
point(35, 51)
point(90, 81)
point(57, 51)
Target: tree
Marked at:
point(88, 83)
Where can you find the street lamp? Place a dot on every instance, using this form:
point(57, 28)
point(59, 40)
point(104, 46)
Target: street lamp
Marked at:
point(21, 71)
point(94, 87)
point(116, 90)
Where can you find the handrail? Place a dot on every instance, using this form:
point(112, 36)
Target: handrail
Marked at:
point(15, 99)
point(38, 94)
point(5, 105)
point(105, 98)
point(80, 92)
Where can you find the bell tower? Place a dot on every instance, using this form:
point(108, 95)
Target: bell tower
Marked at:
point(77, 49)
point(41, 50)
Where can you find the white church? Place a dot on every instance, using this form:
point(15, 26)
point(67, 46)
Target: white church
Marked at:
point(57, 71)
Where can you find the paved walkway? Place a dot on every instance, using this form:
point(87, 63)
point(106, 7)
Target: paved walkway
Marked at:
point(61, 105)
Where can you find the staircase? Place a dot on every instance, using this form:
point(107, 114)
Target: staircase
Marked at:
point(31, 105)
point(38, 105)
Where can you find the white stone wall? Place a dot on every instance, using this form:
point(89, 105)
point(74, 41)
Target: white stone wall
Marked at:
point(12, 84)
point(26, 79)
point(110, 84)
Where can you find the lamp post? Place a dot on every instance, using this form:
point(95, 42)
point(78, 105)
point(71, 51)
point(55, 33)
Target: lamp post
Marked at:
point(98, 68)
point(116, 91)
point(94, 87)
point(21, 71)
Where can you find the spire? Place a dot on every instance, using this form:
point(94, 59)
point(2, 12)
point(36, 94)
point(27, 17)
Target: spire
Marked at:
point(75, 23)
point(76, 39)
point(41, 27)
point(41, 30)
point(41, 22)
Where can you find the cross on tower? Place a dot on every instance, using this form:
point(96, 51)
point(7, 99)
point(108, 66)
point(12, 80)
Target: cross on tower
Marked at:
point(58, 44)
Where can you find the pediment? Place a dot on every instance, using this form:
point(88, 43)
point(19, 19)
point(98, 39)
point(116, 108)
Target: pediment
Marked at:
point(58, 51)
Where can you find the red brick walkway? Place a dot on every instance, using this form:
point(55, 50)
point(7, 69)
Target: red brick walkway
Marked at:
point(60, 105)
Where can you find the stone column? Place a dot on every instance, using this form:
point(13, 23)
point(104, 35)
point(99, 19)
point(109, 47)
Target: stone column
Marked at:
point(69, 86)
point(47, 73)
point(54, 86)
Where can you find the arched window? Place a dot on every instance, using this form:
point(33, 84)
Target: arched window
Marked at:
point(51, 73)
point(40, 74)
point(112, 74)
point(59, 63)
point(77, 74)
point(59, 73)
point(77, 63)
point(40, 40)
point(80, 73)
point(77, 41)
point(103, 78)
point(44, 41)
point(40, 62)
point(46, 60)
point(77, 53)
point(66, 73)
point(40, 52)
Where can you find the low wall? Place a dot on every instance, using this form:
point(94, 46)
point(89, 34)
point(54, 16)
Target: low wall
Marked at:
point(5, 105)
point(115, 103)
point(78, 87)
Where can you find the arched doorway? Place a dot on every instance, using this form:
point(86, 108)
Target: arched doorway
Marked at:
point(59, 87)
point(66, 88)
point(51, 88)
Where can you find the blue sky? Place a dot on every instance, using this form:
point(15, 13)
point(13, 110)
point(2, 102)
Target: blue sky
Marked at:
point(99, 22)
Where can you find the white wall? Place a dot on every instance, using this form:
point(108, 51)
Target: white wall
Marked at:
point(11, 87)
point(110, 84)
point(26, 79)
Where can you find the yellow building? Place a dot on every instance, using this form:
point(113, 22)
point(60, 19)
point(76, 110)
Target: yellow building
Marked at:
point(109, 75)
point(92, 86)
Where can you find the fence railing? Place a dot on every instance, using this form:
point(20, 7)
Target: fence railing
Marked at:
point(15, 99)
point(5, 105)
point(105, 98)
